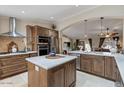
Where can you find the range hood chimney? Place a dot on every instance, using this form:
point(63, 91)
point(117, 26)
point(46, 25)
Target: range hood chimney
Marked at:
point(12, 29)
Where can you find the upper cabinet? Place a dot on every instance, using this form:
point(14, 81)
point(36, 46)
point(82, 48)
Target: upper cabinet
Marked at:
point(34, 31)
point(41, 31)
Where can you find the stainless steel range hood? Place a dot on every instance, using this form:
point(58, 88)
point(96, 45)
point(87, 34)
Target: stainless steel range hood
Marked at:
point(12, 29)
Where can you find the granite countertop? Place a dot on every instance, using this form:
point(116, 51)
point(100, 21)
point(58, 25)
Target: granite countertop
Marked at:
point(118, 57)
point(45, 63)
point(18, 53)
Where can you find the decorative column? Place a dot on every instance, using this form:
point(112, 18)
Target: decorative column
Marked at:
point(60, 41)
point(123, 36)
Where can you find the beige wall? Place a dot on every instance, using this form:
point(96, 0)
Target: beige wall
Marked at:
point(21, 28)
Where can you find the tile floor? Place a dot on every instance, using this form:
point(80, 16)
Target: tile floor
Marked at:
point(83, 80)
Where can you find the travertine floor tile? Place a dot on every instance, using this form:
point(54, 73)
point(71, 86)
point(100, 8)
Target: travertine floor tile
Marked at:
point(83, 80)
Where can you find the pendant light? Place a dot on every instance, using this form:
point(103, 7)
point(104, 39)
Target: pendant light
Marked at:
point(85, 28)
point(107, 34)
point(101, 22)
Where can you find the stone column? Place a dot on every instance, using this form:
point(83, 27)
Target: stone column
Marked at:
point(123, 36)
point(60, 41)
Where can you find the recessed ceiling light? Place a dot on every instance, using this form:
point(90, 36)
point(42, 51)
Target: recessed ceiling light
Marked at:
point(76, 5)
point(23, 12)
point(51, 17)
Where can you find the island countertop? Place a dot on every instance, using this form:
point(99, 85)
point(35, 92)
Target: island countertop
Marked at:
point(45, 63)
point(118, 57)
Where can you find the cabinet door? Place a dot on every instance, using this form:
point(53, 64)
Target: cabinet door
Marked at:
point(86, 63)
point(70, 73)
point(29, 34)
point(56, 77)
point(42, 31)
point(110, 68)
point(98, 65)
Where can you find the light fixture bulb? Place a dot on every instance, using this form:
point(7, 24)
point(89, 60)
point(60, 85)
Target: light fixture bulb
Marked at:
point(76, 5)
point(51, 17)
point(23, 12)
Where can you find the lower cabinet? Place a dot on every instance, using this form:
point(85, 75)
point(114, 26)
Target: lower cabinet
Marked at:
point(60, 76)
point(98, 65)
point(86, 63)
point(92, 64)
point(56, 77)
point(12, 65)
point(70, 74)
point(64, 75)
point(110, 68)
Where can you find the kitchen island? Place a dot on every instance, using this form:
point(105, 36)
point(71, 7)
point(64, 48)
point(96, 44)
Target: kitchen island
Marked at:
point(58, 72)
point(104, 64)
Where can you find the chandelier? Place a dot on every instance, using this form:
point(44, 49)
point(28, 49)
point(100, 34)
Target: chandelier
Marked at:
point(106, 34)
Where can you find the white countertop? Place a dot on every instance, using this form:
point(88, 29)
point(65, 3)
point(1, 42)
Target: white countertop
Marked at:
point(118, 57)
point(93, 53)
point(19, 53)
point(45, 63)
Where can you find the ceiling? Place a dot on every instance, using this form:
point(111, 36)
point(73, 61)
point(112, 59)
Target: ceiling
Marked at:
point(77, 31)
point(50, 13)
point(58, 13)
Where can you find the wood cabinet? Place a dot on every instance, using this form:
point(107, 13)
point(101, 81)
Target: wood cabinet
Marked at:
point(57, 77)
point(41, 31)
point(12, 65)
point(98, 65)
point(29, 37)
point(110, 68)
point(33, 54)
point(86, 63)
point(60, 76)
point(70, 73)
point(103, 66)
point(34, 31)
point(92, 64)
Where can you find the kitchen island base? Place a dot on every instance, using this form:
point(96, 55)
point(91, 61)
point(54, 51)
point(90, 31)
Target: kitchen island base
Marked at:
point(63, 75)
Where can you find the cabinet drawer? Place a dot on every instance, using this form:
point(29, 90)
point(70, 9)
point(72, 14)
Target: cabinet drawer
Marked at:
point(11, 62)
point(10, 73)
point(8, 66)
point(33, 54)
point(13, 68)
point(86, 57)
point(12, 65)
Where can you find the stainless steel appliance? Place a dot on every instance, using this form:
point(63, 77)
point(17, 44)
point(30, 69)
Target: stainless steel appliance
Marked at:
point(43, 49)
point(44, 44)
point(12, 29)
point(77, 60)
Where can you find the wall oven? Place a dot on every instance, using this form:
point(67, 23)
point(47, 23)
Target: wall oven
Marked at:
point(44, 40)
point(43, 45)
point(43, 49)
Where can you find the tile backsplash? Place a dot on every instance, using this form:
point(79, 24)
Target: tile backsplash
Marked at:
point(4, 41)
